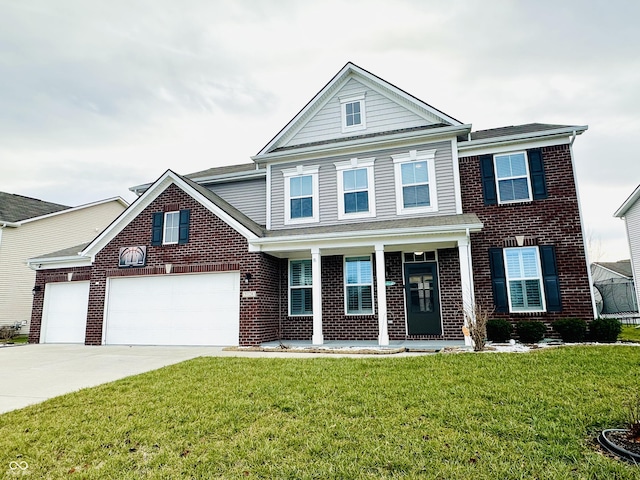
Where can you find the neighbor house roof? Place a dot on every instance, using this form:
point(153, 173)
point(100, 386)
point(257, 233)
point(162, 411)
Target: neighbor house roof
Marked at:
point(622, 267)
point(15, 208)
point(628, 203)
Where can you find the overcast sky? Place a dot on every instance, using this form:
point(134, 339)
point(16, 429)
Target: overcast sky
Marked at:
point(98, 96)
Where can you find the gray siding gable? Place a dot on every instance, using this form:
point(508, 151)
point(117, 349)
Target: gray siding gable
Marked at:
point(248, 196)
point(382, 115)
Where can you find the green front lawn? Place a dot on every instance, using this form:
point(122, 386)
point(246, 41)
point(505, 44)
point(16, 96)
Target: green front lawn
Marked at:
point(630, 333)
point(480, 416)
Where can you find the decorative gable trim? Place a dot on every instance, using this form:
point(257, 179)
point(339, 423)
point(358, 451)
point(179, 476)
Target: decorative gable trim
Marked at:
point(159, 186)
point(369, 80)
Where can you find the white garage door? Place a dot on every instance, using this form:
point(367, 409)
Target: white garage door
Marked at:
point(64, 313)
point(195, 309)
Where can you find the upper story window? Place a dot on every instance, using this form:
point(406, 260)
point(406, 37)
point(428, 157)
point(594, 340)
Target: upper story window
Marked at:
point(415, 179)
point(358, 279)
point(356, 193)
point(524, 279)
point(301, 195)
point(169, 228)
point(512, 177)
point(353, 113)
point(300, 287)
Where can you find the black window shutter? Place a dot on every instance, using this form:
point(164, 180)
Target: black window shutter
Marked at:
point(550, 278)
point(536, 170)
point(183, 235)
point(488, 180)
point(498, 280)
point(156, 228)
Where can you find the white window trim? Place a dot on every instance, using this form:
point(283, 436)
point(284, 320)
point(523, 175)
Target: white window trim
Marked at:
point(292, 287)
point(416, 156)
point(301, 170)
point(164, 227)
point(373, 291)
point(526, 165)
point(540, 279)
point(355, 164)
point(343, 113)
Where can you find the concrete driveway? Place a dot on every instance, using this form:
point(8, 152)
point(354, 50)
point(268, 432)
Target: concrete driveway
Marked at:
point(33, 373)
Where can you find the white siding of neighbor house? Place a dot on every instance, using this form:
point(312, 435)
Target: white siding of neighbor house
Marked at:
point(632, 220)
point(384, 186)
point(41, 237)
point(382, 114)
point(248, 196)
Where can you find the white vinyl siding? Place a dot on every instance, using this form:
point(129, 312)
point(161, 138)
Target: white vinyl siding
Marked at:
point(524, 279)
point(632, 220)
point(248, 196)
point(382, 114)
point(37, 238)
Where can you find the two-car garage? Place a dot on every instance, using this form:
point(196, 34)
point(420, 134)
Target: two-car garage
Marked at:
point(185, 309)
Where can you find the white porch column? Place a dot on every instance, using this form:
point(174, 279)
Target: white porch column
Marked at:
point(383, 334)
point(316, 278)
point(466, 280)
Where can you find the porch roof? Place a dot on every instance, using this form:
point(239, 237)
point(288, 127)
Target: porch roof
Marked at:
point(441, 222)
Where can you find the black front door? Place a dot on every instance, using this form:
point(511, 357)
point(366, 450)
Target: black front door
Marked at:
point(423, 303)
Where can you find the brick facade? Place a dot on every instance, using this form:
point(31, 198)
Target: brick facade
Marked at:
point(213, 246)
point(551, 221)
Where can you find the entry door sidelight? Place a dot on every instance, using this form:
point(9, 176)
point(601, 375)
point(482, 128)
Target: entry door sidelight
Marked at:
point(423, 302)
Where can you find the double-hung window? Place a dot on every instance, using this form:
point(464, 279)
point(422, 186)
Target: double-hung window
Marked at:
point(301, 195)
point(512, 177)
point(300, 287)
point(171, 227)
point(415, 180)
point(356, 193)
point(358, 277)
point(353, 113)
point(524, 279)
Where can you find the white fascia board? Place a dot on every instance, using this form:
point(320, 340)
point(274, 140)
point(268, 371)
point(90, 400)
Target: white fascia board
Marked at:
point(363, 144)
point(366, 237)
point(59, 262)
point(535, 139)
point(9, 224)
point(145, 200)
point(231, 177)
point(628, 203)
point(120, 200)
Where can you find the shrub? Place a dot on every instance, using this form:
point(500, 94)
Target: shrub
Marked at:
point(605, 330)
point(7, 333)
point(571, 330)
point(531, 331)
point(499, 330)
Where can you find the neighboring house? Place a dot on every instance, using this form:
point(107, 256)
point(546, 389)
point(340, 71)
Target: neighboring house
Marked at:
point(630, 212)
point(614, 289)
point(370, 216)
point(30, 227)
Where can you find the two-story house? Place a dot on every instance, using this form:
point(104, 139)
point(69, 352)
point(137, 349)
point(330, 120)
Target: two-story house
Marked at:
point(370, 216)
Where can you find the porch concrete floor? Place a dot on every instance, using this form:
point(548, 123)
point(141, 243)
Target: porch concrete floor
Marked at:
point(408, 345)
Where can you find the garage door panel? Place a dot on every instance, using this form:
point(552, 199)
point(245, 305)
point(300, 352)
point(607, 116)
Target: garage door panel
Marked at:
point(197, 309)
point(64, 315)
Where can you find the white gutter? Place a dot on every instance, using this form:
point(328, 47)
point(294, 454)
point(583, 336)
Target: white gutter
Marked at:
point(523, 136)
point(366, 142)
point(58, 262)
